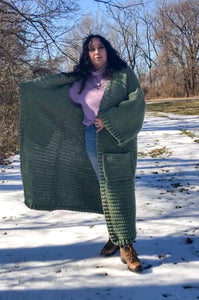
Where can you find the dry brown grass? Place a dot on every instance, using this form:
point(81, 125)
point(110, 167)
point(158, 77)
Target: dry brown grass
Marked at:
point(181, 107)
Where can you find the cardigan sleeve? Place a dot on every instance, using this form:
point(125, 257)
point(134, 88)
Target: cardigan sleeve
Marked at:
point(125, 121)
point(44, 105)
point(48, 81)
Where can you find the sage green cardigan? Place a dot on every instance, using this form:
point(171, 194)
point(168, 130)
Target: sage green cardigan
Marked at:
point(56, 171)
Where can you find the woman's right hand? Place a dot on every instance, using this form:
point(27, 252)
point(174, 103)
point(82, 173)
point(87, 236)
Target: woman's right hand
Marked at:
point(99, 124)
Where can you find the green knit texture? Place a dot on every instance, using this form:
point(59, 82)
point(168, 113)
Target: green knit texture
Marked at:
point(56, 171)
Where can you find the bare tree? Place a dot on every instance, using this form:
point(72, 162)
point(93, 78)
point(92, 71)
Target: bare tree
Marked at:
point(133, 38)
point(12, 51)
point(177, 32)
point(44, 23)
point(28, 30)
point(110, 4)
point(148, 50)
point(124, 27)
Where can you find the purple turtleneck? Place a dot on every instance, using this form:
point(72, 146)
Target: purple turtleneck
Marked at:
point(91, 96)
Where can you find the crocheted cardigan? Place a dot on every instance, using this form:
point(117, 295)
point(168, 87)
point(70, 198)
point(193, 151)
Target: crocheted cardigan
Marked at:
point(55, 168)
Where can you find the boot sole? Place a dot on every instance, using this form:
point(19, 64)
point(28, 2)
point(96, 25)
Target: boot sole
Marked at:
point(139, 269)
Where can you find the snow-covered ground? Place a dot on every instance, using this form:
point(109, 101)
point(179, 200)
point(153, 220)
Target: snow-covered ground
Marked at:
point(55, 255)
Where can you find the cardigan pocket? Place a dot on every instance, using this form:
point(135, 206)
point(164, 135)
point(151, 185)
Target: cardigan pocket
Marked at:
point(118, 166)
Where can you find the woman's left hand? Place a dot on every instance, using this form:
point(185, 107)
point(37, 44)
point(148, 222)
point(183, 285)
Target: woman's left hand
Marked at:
point(99, 124)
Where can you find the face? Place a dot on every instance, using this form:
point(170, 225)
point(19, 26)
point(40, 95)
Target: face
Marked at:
point(97, 53)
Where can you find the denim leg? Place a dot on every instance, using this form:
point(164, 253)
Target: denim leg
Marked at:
point(91, 147)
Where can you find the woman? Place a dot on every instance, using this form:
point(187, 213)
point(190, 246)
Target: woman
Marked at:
point(106, 94)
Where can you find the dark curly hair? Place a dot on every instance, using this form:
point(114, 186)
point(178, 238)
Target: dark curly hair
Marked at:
point(83, 69)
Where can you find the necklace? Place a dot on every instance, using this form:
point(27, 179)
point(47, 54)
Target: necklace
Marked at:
point(98, 84)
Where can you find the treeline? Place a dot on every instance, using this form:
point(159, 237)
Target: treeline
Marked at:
point(160, 41)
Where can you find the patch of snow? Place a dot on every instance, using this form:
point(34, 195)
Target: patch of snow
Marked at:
point(55, 255)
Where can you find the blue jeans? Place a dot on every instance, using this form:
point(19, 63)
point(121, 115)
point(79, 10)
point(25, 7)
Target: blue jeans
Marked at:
point(91, 147)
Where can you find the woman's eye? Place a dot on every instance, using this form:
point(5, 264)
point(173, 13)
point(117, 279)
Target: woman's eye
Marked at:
point(97, 48)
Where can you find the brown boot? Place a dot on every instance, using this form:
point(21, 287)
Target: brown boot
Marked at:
point(129, 257)
point(109, 249)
